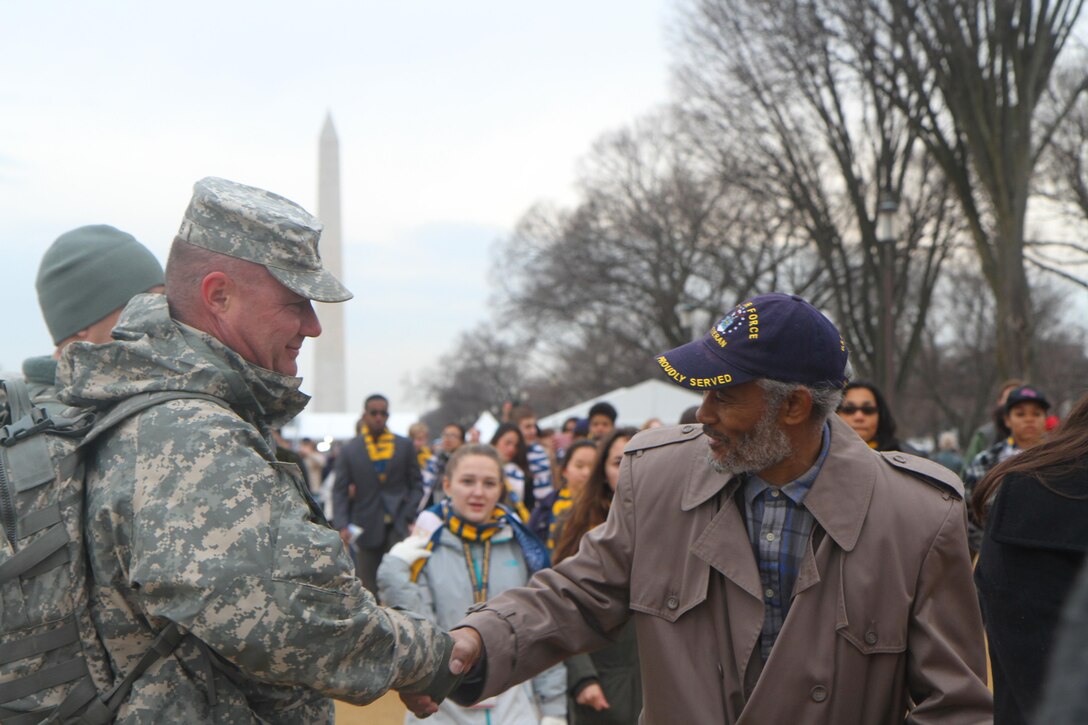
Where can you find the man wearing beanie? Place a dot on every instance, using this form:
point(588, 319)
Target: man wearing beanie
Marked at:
point(190, 520)
point(777, 569)
point(85, 279)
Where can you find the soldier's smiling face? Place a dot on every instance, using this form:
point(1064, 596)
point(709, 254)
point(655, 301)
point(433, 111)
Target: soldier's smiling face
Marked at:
point(267, 323)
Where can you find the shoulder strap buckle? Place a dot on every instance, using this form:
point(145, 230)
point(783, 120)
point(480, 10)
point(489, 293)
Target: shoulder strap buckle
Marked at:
point(35, 421)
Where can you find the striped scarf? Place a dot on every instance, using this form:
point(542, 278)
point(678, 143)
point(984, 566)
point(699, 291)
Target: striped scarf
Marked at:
point(562, 503)
point(380, 451)
point(423, 456)
point(513, 474)
point(536, 555)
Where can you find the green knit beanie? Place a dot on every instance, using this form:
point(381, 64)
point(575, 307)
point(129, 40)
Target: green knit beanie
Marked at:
point(90, 272)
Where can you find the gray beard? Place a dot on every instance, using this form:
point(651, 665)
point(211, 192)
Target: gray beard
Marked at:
point(765, 446)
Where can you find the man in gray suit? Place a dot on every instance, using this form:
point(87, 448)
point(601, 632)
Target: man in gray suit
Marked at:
point(376, 488)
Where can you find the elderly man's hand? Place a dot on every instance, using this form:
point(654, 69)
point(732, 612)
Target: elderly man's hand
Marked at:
point(467, 648)
point(420, 705)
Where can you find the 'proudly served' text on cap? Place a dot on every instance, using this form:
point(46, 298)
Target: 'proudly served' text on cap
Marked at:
point(776, 336)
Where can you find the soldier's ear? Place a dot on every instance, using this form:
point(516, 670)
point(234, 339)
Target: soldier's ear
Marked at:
point(217, 292)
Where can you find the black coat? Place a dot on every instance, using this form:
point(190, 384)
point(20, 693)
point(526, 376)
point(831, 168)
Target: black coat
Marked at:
point(616, 669)
point(397, 497)
point(1065, 699)
point(1034, 546)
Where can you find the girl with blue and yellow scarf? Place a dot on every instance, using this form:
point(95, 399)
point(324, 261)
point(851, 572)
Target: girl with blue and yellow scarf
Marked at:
point(479, 548)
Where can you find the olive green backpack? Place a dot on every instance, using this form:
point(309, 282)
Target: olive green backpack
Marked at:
point(53, 667)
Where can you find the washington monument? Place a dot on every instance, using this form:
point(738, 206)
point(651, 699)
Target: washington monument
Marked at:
point(330, 379)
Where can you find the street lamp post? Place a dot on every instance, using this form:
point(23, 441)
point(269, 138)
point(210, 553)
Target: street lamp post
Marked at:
point(689, 317)
point(887, 233)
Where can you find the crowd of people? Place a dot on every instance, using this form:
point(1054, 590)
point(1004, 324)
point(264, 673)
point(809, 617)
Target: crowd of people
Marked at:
point(779, 554)
point(574, 474)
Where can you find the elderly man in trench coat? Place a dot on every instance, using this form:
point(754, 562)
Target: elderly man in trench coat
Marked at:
point(778, 570)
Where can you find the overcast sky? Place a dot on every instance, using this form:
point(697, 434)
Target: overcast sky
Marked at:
point(453, 119)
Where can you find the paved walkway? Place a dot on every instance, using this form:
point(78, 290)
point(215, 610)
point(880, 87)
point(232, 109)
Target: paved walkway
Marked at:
point(387, 710)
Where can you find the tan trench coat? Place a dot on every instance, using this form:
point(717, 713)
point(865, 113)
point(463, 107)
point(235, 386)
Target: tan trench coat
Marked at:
point(884, 626)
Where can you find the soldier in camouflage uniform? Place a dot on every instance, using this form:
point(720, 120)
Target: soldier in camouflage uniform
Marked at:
point(190, 519)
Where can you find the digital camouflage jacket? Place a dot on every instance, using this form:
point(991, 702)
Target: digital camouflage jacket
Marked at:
point(191, 519)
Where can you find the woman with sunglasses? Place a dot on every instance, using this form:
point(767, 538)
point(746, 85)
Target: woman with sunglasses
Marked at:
point(865, 410)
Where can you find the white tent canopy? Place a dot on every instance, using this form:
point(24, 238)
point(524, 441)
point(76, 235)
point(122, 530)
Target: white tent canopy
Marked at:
point(635, 405)
point(339, 426)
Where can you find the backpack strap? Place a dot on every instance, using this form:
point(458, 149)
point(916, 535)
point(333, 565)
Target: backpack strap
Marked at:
point(26, 453)
point(101, 709)
point(141, 401)
point(28, 418)
point(18, 397)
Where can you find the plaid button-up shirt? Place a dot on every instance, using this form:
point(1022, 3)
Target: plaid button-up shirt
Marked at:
point(779, 526)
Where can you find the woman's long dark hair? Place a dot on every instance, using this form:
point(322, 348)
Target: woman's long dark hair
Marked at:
point(1059, 457)
point(591, 504)
point(521, 457)
point(885, 422)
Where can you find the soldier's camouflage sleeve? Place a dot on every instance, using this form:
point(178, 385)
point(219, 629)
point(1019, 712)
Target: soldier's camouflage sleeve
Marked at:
point(222, 543)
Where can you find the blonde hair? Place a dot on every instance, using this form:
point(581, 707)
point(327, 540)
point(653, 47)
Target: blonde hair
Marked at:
point(474, 449)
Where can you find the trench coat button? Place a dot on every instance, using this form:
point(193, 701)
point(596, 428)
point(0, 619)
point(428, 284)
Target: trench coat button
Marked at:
point(819, 693)
point(899, 458)
point(870, 637)
point(672, 602)
point(687, 429)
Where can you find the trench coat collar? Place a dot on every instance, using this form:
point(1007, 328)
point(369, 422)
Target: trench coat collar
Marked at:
point(704, 482)
point(840, 495)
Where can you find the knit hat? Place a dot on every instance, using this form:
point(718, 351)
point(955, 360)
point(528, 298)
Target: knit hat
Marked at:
point(88, 273)
point(258, 226)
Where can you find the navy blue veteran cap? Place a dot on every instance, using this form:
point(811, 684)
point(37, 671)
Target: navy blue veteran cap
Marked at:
point(776, 336)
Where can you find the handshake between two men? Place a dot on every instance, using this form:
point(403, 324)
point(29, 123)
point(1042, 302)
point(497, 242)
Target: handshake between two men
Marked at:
point(467, 651)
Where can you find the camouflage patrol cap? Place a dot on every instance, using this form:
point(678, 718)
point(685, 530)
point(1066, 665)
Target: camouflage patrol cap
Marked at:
point(259, 226)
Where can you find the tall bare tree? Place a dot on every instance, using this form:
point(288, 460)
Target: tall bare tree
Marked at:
point(955, 382)
point(778, 83)
point(657, 229)
point(970, 76)
point(1063, 181)
point(484, 368)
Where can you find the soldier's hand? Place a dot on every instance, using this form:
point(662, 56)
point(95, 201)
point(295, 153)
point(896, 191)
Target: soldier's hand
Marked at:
point(420, 705)
point(467, 648)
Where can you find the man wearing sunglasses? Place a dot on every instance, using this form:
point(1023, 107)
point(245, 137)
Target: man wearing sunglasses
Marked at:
point(376, 489)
